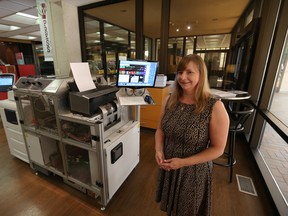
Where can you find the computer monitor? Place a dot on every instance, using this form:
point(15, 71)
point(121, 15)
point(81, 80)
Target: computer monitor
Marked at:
point(6, 81)
point(136, 73)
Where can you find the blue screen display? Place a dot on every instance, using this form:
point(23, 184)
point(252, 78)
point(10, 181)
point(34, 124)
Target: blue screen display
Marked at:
point(136, 74)
point(6, 81)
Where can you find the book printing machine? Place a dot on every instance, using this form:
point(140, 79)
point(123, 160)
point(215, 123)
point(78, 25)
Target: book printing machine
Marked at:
point(87, 138)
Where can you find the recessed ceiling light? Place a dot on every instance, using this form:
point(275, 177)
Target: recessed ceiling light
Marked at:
point(20, 19)
point(119, 39)
point(8, 27)
point(106, 25)
point(27, 15)
point(177, 29)
point(189, 27)
point(23, 37)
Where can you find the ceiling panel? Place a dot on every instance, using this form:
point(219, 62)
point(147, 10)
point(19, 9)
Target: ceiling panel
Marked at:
point(12, 6)
point(5, 12)
point(32, 11)
point(20, 19)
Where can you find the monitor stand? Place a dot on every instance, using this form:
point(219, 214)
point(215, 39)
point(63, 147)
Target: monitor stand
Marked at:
point(134, 99)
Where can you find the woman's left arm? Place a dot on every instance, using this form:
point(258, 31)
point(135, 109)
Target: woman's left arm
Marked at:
point(218, 133)
point(218, 129)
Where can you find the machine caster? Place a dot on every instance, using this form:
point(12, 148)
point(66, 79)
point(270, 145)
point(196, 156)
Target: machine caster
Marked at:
point(102, 208)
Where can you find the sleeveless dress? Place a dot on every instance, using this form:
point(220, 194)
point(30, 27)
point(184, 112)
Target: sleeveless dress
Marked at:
point(186, 191)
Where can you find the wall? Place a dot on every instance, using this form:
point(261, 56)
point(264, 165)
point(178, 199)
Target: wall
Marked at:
point(8, 50)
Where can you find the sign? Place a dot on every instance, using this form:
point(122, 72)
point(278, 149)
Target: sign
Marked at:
point(43, 22)
point(19, 58)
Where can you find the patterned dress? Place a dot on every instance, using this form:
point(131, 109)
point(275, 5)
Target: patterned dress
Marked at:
point(186, 191)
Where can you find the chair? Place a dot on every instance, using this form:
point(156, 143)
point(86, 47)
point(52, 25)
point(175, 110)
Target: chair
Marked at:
point(238, 112)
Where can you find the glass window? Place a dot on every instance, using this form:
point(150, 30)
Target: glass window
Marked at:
point(249, 18)
point(116, 44)
point(46, 67)
point(189, 48)
point(92, 31)
point(148, 51)
point(175, 48)
point(215, 62)
point(280, 95)
point(157, 49)
point(274, 151)
point(213, 42)
point(93, 45)
point(115, 34)
point(132, 40)
point(273, 148)
point(132, 45)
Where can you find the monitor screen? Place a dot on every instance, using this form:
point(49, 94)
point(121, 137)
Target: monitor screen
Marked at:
point(6, 82)
point(136, 73)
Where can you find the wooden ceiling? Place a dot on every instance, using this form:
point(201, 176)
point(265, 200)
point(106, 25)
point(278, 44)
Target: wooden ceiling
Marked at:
point(204, 17)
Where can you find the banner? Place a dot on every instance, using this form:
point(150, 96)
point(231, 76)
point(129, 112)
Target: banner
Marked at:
point(43, 22)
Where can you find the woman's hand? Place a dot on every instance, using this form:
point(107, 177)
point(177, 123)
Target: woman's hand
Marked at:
point(159, 156)
point(173, 164)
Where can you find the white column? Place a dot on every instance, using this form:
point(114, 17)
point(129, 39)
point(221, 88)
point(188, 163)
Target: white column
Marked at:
point(72, 32)
point(64, 35)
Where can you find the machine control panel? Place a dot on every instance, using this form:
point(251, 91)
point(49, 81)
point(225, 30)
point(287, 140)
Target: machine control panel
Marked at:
point(32, 83)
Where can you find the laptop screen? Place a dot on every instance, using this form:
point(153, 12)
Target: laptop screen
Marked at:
point(6, 82)
point(136, 73)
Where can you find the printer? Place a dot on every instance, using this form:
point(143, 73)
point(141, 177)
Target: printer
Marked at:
point(88, 102)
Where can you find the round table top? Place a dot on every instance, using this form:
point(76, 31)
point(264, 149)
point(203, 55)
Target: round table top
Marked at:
point(231, 95)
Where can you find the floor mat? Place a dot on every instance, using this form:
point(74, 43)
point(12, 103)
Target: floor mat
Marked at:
point(245, 185)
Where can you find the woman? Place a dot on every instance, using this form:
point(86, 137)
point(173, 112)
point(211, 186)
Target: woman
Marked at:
point(192, 132)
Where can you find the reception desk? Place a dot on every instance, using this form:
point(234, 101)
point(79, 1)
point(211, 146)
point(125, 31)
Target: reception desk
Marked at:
point(150, 115)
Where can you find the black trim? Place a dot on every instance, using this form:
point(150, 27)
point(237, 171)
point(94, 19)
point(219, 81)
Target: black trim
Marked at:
point(275, 123)
point(102, 3)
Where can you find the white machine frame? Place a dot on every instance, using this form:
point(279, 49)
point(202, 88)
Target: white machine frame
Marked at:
point(97, 167)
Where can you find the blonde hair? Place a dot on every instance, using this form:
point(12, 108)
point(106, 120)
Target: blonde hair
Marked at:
point(202, 93)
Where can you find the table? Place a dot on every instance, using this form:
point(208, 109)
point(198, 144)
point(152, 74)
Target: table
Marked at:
point(239, 111)
point(231, 95)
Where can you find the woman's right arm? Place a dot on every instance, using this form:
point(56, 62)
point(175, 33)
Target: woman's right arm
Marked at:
point(159, 138)
point(159, 154)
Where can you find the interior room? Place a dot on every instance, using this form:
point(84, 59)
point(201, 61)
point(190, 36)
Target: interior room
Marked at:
point(82, 84)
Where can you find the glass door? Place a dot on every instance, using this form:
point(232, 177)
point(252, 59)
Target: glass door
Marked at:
point(113, 53)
